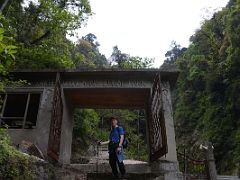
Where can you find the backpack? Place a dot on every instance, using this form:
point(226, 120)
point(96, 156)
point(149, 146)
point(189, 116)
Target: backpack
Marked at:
point(125, 141)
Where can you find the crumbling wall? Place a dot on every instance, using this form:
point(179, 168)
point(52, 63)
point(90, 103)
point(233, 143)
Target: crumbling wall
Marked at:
point(39, 136)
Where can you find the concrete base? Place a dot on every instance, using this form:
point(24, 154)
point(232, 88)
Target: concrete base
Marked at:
point(160, 170)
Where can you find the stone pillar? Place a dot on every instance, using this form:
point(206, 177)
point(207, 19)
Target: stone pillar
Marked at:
point(168, 114)
point(168, 165)
point(44, 120)
point(212, 172)
point(66, 133)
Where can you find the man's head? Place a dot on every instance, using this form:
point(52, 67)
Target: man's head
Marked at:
point(114, 121)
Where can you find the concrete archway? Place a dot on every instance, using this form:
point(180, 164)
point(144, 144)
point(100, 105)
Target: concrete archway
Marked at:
point(62, 91)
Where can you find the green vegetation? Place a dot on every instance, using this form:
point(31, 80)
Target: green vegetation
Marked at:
point(125, 61)
point(13, 164)
point(40, 32)
point(7, 54)
point(207, 101)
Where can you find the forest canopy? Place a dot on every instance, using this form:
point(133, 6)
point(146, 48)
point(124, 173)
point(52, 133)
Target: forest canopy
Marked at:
point(207, 100)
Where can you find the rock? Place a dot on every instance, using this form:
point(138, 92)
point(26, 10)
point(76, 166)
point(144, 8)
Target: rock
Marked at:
point(31, 149)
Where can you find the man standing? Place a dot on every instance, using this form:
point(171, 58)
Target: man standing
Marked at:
point(115, 148)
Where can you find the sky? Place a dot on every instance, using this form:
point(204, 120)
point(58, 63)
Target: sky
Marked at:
point(146, 28)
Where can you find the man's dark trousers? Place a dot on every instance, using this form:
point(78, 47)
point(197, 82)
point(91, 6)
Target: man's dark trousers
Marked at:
point(113, 161)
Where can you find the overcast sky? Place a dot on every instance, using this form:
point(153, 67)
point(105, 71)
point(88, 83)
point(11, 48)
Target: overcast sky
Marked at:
point(146, 28)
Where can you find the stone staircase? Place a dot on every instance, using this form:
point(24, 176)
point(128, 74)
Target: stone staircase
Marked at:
point(97, 168)
point(134, 172)
point(73, 175)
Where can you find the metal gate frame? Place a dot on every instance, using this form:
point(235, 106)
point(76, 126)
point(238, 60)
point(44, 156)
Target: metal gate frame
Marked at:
point(56, 122)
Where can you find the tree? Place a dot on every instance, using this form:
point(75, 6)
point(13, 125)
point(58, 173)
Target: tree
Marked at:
point(40, 31)
point(175, 52)
point(119, 57)
point(12, 163)
point(87, 49)
point(7, 55)
point(207, 100)
point(125, 61)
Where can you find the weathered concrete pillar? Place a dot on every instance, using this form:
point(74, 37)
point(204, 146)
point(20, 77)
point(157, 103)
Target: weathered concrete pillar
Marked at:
point(168, 114)
point(212, 172)
point(168, 165)
point(44, 120)
point(66, 133)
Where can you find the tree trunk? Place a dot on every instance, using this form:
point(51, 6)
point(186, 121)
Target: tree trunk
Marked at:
point(3, 5)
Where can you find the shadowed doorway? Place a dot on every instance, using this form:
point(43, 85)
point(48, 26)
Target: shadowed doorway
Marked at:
point(92, 125)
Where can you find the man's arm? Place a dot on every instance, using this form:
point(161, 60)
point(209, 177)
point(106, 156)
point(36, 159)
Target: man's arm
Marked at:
point(121, 140)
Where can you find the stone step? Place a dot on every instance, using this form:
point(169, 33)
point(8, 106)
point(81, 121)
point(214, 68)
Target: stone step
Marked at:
point(221, 177)
point(108, 176)
point(136, 170)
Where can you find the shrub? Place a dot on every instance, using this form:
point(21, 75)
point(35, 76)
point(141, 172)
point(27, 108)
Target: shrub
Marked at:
point(13, 164)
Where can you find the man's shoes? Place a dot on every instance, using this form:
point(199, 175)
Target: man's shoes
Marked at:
point(115, 177)
point(123, 176)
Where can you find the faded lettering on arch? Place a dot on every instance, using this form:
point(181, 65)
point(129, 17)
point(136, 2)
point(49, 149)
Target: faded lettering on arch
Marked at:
point(111, 83)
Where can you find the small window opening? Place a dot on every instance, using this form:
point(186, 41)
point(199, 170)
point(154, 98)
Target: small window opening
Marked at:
point(19, 110)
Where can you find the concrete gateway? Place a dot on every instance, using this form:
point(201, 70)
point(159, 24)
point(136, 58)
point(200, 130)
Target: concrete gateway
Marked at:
point(41, 111)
